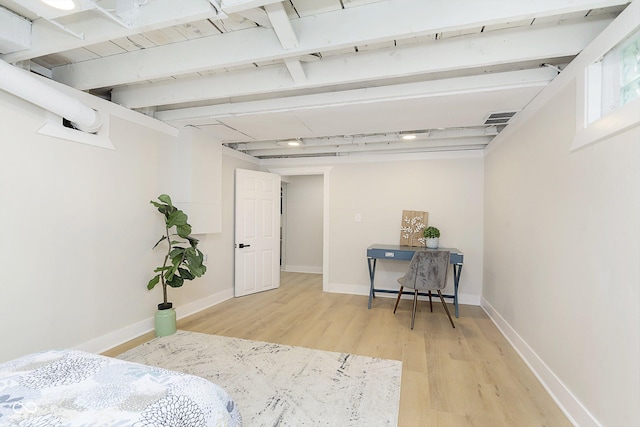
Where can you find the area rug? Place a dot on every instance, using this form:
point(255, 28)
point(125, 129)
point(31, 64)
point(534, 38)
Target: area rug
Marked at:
point(280, 385)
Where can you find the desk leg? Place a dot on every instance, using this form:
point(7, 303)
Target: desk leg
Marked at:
point(372, 273)
point(457, 269)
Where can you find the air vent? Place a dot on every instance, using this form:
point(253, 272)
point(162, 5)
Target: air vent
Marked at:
point(499, 118)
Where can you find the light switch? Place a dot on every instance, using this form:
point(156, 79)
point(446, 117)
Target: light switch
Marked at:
point(358, 217)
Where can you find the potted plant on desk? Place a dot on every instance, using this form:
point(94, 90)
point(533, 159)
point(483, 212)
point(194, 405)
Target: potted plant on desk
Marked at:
point(431, 235)
point(182, 261)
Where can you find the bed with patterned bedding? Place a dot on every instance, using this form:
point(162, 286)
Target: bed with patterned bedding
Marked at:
point(75, 388)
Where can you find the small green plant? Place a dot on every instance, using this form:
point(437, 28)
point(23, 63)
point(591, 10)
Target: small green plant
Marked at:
point(183, 260)
point(431, 232)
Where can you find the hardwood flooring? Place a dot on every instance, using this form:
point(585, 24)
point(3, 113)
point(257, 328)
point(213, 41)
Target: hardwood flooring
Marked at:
point(467, 376)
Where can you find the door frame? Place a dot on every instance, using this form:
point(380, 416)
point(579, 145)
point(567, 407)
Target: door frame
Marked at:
point(325, 172)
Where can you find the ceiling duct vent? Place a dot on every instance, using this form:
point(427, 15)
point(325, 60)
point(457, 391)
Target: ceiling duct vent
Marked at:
point(499, 118)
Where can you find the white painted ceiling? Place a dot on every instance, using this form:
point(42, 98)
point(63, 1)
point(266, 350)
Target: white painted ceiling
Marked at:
point(342, 77)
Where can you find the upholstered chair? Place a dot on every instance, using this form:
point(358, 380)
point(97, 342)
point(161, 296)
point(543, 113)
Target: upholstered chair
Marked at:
point(427, 272)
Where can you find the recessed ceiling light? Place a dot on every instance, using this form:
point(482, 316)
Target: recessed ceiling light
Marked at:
point(409, 136)
point(290, 143)
point(61, 4)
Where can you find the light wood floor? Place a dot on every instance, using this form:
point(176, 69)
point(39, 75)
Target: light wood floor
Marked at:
point(467, 376)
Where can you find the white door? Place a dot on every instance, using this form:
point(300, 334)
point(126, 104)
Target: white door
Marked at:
point(257, 235)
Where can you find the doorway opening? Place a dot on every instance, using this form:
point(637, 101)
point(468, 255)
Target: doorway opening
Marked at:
point(324, 172)
point(302, 223)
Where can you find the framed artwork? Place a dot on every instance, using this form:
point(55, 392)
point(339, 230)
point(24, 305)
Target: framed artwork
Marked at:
point(413, 223)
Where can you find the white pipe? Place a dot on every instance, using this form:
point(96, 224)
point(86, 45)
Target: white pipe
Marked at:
point(26, 86)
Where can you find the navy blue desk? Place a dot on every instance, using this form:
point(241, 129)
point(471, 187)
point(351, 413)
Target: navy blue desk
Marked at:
point(405, 253)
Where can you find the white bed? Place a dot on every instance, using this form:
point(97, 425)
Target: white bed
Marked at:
point(75, 388)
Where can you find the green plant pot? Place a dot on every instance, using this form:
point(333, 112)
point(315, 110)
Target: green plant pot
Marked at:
point(165, 322)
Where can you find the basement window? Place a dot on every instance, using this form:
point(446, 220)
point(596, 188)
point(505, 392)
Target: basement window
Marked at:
point(610, 93)
point(614, 81)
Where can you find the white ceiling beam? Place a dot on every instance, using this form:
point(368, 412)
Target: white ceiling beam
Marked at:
point(154, 15)
point(281, 25)
point(333, 141)
point(396, 19)
point(446, 87)
point(444, 55)
point(15, 31)
point(235, 6)
point(297, 72)
point(475, 142)
point(283, 29)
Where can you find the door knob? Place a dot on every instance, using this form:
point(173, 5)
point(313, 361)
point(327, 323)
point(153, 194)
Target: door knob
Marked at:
point(242, 245)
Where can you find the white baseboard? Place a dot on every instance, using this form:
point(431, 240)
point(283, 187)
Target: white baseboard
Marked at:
point(117, 337)
point(303, 269)
point(201, 304)
point(568, 403)
point(122, 335)
point(340, 288)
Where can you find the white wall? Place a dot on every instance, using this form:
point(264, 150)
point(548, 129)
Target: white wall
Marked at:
point(304, 224)
point(75, 246)
point(447, 185)
point(217, 284)
point(562, 260)
point(562, 253)
point(451, 190)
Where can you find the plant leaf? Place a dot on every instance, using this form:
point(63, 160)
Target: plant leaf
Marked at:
point(165, 199)
point(183, 230)
point(176, 218)
point(186, 274)
point(176, 281)
point(153, 282)
point(171, 271)
point(198, 270)
point(177, 250)
point(162, 208)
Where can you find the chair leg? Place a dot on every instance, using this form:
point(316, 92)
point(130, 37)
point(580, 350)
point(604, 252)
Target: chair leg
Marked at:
point(415, 303)
point(430, 304)
point(445, 308)
point(398, 300)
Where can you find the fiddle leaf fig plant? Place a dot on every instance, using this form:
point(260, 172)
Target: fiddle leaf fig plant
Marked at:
point(183, 260)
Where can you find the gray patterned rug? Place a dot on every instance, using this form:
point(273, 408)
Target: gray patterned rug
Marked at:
point(280, 385)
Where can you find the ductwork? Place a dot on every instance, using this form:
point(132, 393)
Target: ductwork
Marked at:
point(26, 86)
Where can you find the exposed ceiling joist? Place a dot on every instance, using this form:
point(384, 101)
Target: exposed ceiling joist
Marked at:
point(396, 19)
point(342, 77)
point(391, 146)
point(15, 32)
point(333, 141)
point(46, 39)
point(281, 25)
point(487, 82)
point(235, 6)
point(295, 69)
point(501, 47)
